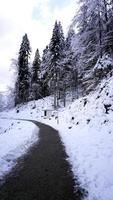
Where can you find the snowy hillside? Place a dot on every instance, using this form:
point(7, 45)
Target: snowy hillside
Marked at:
point(89, 140)
point(86, 129)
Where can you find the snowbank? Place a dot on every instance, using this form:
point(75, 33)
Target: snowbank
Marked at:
point(16, 136)
point(15, 139)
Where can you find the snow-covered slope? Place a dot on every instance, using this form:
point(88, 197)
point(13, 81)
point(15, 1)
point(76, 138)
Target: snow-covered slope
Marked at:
point(88, 138)
point(86, 129)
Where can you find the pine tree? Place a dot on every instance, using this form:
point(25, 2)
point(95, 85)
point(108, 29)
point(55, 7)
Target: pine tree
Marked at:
point(45, 60)
point(45, 72)
point(56, 54)
point(45, 64)
point(36, 67)
point(71, 71)
point(35, 77)
point(22, 83)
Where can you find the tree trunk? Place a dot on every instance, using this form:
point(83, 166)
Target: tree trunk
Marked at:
point(64, 95)
point(100, 31)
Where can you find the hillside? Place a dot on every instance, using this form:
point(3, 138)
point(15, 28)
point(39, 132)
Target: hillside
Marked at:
point(86, 129)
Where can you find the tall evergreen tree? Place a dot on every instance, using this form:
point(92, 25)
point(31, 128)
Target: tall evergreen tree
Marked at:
point(36, 87)
point(71, 71)
point(45, 72)
point(22, 83)
point(45, 64)
point(35, 77)
point(56, 54)
point(36, 67)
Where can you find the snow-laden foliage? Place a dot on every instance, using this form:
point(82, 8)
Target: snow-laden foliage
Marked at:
point(104, 63)
point(93, 39)
point(35, 92)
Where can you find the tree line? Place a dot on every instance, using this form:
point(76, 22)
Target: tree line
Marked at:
point(49, 75)
point(67, 64)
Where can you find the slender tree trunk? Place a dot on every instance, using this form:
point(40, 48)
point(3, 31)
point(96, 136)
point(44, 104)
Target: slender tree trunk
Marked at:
point(107, 44)
point(112, 4)
point(64, 95)
point(106, 16)
point(55, 95)
point(55, 88)
point(57, 74)
point(100, 31)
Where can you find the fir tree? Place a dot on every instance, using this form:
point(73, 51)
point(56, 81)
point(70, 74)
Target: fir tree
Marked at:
point(22, 83)
point(56, 54)
point(45, 72)
point(36, 67)
point(45, 61)
point(71, 71)
point(35, 79)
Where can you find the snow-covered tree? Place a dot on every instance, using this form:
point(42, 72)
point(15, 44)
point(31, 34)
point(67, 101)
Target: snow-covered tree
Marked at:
point(108, 26)
point(35, 77)
point(36, 67)
point(93, 39)
point(45, 61)
point(70, 69)
point(22, 83)
point(56, 54)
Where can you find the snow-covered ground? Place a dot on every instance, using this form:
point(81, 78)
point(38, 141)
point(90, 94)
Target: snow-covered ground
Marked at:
point(16, 136)
point(89, 140)
point(15, 139)
point(86, 129)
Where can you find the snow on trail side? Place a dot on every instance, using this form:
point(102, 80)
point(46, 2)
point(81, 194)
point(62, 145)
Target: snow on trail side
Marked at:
point(15, 139)
point(88, 136)
point(16, 136)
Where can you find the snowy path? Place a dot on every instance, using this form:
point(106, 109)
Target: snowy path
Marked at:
point(43, 173)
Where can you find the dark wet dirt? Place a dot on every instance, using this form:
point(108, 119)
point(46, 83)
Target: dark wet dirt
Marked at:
point(43, 173)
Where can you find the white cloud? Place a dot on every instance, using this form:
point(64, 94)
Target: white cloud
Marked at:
point(18, 17)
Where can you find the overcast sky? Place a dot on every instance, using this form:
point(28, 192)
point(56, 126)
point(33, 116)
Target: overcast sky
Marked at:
point(34, 17)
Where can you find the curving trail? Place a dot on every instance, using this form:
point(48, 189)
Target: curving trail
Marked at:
point(43, 173)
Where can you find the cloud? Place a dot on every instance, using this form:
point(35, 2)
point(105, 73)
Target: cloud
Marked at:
point(58, 4)
point(5, 27)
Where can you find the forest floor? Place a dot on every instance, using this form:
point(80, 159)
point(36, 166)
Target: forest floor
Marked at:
point(43, 173)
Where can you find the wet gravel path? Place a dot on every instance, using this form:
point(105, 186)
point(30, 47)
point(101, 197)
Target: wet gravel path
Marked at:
point(43, 173)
